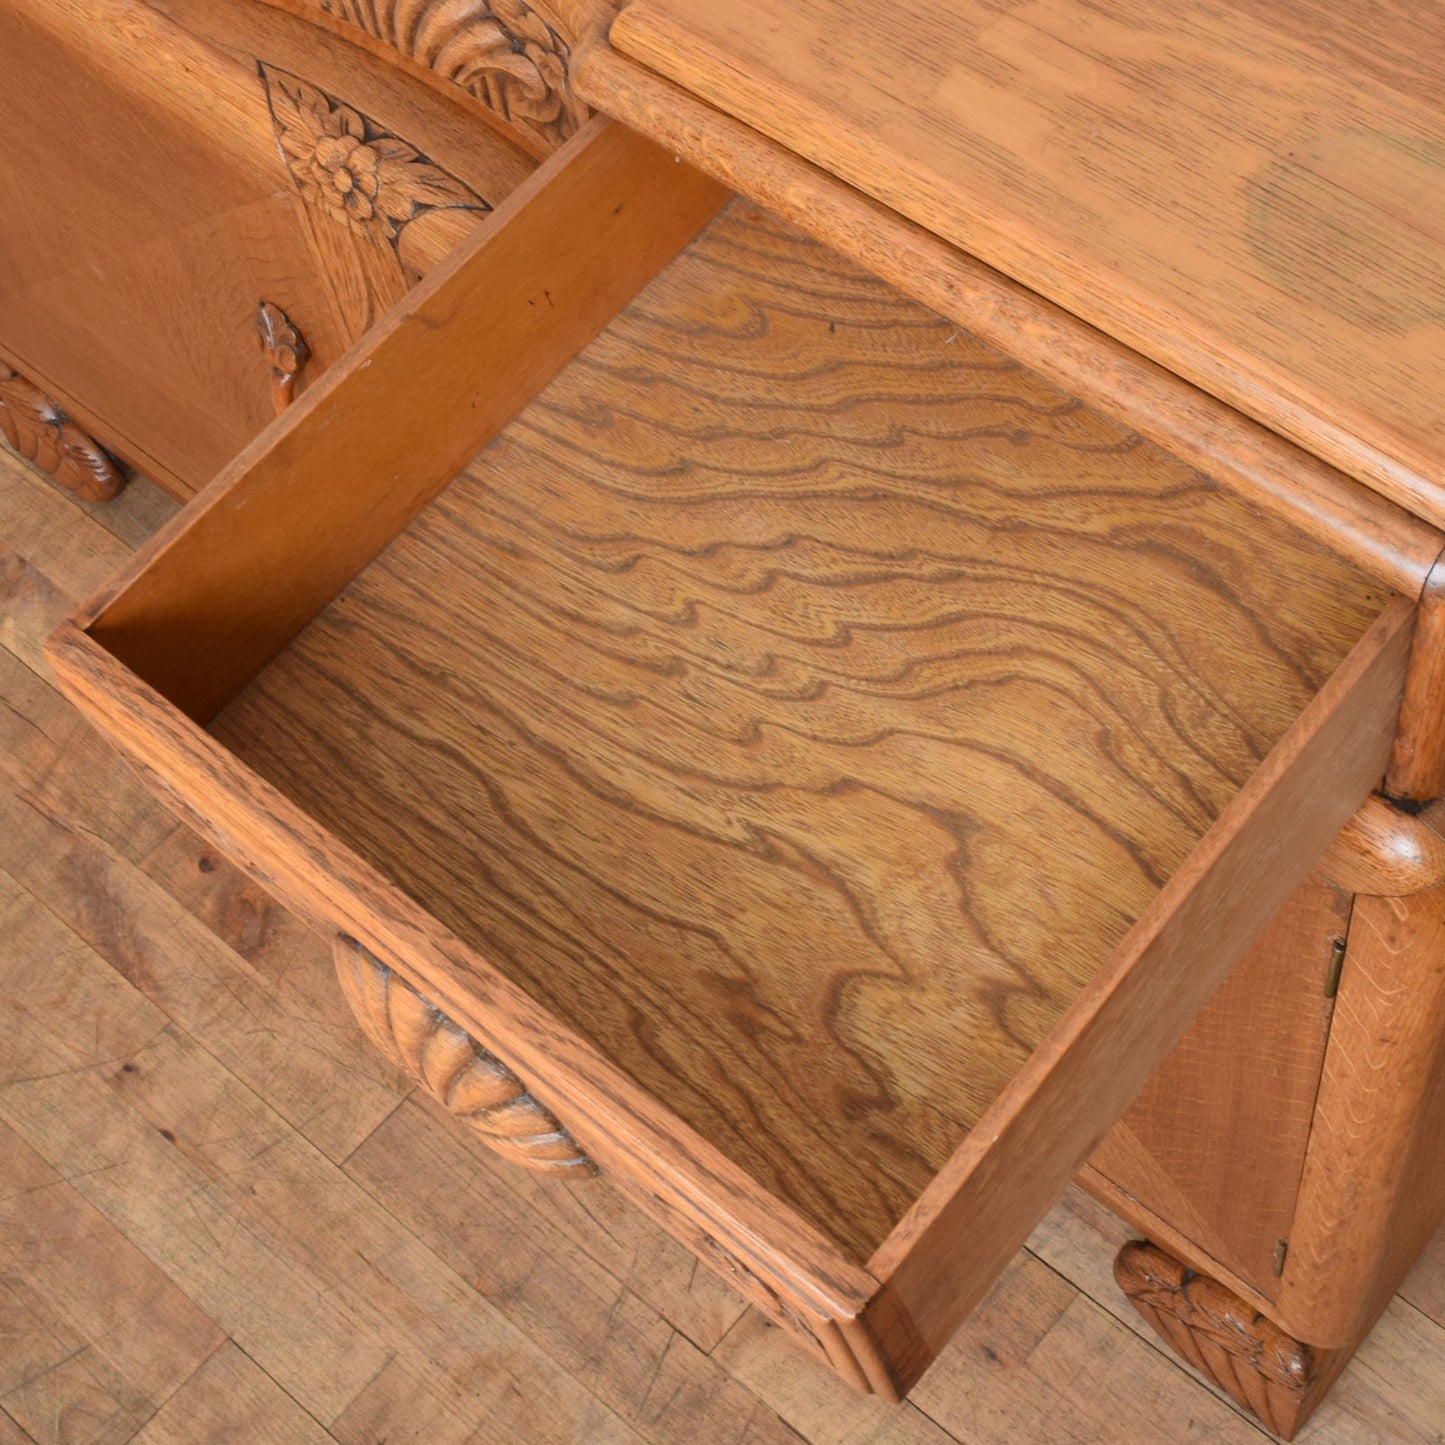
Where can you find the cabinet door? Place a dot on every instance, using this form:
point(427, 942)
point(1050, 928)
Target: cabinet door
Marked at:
point(1215, 1143)
point(164, 176)
point(147, 216)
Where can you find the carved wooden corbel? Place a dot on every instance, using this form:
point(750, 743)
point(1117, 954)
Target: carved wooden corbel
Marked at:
point(505, 53)
point(1229, 1342)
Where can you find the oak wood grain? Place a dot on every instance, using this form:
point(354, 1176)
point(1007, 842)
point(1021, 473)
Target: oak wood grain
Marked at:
point(751, 703)
point(150, 211)
point(1348, 517)
point(328, 484)
point(1374, 1182)
point(1054, 1353)
point(1215, 1143)
point(427, 1173)
point(1137, 1007)
point(143, 225)
point(1386, 852)
point(1417, 763)
point(1245, 193)
point(673, 1173)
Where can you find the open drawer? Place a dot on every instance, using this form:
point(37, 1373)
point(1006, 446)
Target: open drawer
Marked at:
point(805, 766)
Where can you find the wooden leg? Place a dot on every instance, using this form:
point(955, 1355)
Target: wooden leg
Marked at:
point(1229, 1342)
point(37, 428)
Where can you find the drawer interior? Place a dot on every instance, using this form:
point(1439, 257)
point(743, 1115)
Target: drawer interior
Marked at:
point(802, 701)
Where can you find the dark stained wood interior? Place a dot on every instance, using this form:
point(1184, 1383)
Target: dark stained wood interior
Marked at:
point(802, 700)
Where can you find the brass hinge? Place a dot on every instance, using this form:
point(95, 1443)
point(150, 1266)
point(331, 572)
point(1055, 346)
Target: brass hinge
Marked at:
point(1337, 964)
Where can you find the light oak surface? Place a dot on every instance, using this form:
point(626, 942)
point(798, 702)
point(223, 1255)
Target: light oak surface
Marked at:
point(821, 915)
point(220, 1212)
point(169, 168)
point(435, 380)
point(1247, 193)
point(753, 913)
point(1383, 538)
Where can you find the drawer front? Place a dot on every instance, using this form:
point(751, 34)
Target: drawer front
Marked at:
point(365, 818)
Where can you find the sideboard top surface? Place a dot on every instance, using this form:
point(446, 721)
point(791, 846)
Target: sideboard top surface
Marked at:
point(1249, 194)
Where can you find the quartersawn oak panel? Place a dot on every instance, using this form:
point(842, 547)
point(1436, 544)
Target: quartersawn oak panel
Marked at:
point(802, 701)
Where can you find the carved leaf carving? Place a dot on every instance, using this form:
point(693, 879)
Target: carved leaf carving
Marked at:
point(43, 434)
point(1225, 1339)
point(462, 1076)
point(503, 52)
point(347, 167)
point(286, 348)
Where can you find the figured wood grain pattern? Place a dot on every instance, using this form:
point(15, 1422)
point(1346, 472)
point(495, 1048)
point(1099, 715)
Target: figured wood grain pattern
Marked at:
point(1215, 1143)
point(1345, 515)
point(752, 702)
point(309, 870)
point(1138, 1006)
point(1051, 1355)
point(362, 451)
point(1245, 193)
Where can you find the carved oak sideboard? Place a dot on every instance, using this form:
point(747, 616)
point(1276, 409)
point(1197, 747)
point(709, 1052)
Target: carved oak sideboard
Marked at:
point(748, 736)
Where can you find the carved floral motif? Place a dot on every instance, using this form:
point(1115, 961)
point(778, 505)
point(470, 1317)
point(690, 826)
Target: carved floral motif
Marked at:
point(348, 168)
point(501, 51)
point(462, 1076)
point(43, 434)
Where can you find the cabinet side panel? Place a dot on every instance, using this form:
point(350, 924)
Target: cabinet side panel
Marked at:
point(146, 216)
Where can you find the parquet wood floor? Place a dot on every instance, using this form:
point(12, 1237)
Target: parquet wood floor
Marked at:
point(223, 1219)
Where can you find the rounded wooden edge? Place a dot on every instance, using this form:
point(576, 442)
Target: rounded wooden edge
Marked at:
point(1385, 852)
point(1357, 522)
